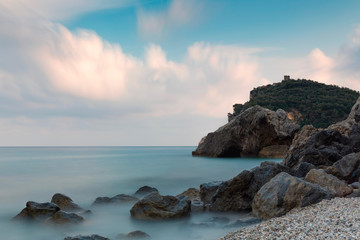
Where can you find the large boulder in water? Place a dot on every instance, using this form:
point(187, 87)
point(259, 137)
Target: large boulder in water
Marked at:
point(285, 192)
point(65, 203)
point(90, 237)
point(118, 199)
point(237, 194)
point(248, 133)
point(155, 207)
point(64, 218)
point(145, 190)
point(37, 211)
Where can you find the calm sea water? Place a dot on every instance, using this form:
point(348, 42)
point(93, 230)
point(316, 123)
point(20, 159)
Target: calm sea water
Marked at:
point(85, 173)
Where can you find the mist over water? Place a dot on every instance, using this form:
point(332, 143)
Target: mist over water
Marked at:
point(85, 173)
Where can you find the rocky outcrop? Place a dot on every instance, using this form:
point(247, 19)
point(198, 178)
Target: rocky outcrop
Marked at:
point(144, 191)
point(238, 193)
point(274, 151)
point(347, 168)
point(65, 203)
point(194, 195)
point(133, 235)
point(37, 211)
point(155, 207)
point(248, 133)
point(285, 192)
point(337, 187)
point(91, 237)
point(118, 199)
point(62, 218)
point(207, 192)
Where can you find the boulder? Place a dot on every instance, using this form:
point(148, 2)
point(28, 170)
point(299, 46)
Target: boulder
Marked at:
point(274, 151)
point(144, 191)
point(90, 237)
point(248, 133)
point(355, 193)
point(134, 235)
point(118, 199)
point(62, 218)
point(302, 169)
point(194, 195)
point(355, 185)
point(237, 194)
point(37, 211)
point(337, 187)
point(285, 192)
point(208, 190)
point(65, 203)
point(347, 168)
point(154, 207)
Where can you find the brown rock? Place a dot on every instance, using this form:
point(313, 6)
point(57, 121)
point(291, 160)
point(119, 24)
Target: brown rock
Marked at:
point(274, 151)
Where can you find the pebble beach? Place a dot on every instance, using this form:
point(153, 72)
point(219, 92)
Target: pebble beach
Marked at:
point(338, 218)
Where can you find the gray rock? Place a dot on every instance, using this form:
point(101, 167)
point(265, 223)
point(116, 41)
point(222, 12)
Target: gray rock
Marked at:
point(90, 237)
point(134, 235)
point(208, 190)
point(154, 207)
point(285, 192)
point(347, 168)
point(337, 187)
point(248, 133)
point(302, 169)
point(63, 218)
point(118, 199)
point(356, 185)
point(65, 203)
point(194, 195)
point(37, 211)
point(144, 191)
point(237, 194)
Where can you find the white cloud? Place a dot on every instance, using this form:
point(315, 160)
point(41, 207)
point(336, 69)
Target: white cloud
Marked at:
point(179, 13)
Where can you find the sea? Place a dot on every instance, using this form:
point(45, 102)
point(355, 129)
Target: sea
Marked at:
point(85, 173)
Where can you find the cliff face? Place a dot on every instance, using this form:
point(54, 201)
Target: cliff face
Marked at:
point(248, 133)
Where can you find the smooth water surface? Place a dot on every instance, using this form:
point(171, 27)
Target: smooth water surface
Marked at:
point(85, 173)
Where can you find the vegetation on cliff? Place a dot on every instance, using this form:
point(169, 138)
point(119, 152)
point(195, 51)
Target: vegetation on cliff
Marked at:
point(306, 101)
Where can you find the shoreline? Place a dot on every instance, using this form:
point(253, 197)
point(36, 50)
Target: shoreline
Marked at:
point(338, 218)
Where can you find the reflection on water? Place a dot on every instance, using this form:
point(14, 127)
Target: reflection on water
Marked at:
point(85, 173)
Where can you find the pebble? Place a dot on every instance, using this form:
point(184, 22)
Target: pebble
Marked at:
point(338, 218)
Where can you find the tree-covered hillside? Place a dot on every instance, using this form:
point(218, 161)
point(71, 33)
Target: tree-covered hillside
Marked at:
point(307, 101)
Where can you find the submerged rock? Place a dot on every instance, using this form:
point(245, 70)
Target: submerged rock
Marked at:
point(337, 187)
point(155, 207)
point(62, 218)
point(285, 192)
point(248, 133)
point(65, 203)
point(37, 211)
point(120, 198)
point(91, 237)
point(134, 235)
point(145, 190)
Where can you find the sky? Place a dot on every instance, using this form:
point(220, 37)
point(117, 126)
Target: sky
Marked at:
point(158, 72)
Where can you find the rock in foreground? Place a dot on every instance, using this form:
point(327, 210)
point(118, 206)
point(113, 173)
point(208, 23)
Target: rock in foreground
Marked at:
point(156, 207)
point(65, 203)
point(248, 133)
point(285, 192)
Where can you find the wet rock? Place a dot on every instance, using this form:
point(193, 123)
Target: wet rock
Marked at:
point(91, 237)
point(355, 193)
point(37, 211)
point(194, 195)
point(134, 235)
point(62, 218)
point(237, 194)
point(248, 133)
point(347, 168)
point(337, 187)
point(118, 199)
point(285, 192)
point(208, 190)
point(154, 207)
point(65, 203)
point(145, 190)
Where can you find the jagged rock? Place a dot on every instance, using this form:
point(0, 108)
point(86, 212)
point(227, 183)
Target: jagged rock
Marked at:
point(65, 203)
point(208, 190)
point(248, 133)
point(302, 169)
point(61, 217)
point(91, 237)
point(154, 206)
point(337, 187)
point(274, 151)
point(144, 191)
point(285, 192)
point(37, 211)
point(238, 193)
point(120, 198)
point(134, 235)
point(322, 148)
point(347, 168)
point(194, 195)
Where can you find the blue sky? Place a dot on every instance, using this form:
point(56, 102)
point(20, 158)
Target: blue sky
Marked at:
point(128, 72)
